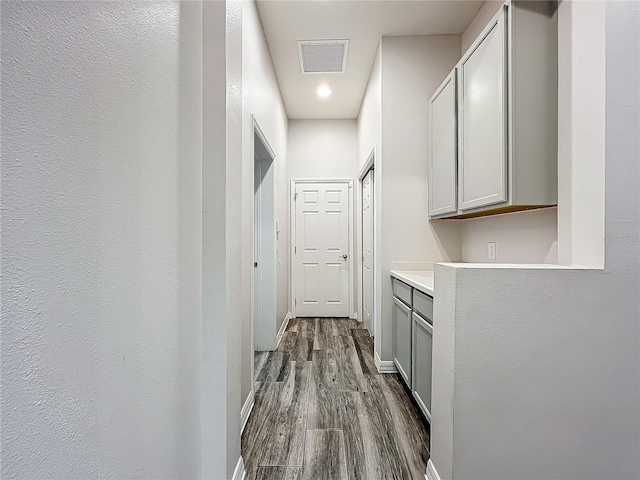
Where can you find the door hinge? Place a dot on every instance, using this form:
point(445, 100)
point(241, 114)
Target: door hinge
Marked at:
point(295, 249)
point(255, 264)
point(295, 302)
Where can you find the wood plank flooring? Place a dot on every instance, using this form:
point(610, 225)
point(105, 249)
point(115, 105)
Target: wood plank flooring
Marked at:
point(322, 411)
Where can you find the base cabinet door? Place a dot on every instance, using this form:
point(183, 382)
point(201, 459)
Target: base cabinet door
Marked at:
point(402, 339)
point(422, 347)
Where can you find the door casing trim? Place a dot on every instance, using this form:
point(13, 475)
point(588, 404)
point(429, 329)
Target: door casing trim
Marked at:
point(368, 165)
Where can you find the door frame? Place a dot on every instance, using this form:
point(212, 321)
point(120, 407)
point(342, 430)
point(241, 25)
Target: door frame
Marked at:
point(258, 132)
point(292, 232)
point(368, 165)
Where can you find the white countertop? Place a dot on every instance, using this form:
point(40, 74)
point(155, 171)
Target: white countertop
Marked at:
point(422, 279)
point(515, 266)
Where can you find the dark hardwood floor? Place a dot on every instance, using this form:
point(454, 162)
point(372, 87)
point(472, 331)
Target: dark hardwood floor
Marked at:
point(322, 410)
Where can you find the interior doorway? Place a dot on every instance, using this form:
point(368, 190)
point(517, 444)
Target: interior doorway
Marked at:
point(366, 227)
point(321, 253)
point(264, 244)
point(367, 250)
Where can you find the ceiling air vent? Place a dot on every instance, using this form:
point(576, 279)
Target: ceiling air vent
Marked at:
point(323, 56)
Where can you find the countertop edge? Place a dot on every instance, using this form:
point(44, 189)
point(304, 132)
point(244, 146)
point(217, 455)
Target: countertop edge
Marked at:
point(400, 275)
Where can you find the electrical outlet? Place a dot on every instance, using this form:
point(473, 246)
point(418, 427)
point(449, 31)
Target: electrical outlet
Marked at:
point(491, 250)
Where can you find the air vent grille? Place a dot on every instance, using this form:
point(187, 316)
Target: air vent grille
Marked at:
point(323, 56)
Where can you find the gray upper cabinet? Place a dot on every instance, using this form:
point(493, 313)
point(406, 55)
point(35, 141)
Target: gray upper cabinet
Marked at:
point(443, 150)
point(507, 108)
point(483, 120)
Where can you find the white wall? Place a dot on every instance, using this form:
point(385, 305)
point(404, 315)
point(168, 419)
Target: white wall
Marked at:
point(101, 239)
point(475, 27)
point(222, 261)
point(261, 97)
point(370, 140)
point(325, 149)
point(412, 68)
point(524, 237)
point(322, 149)
point(581, 104)
point(545, 357)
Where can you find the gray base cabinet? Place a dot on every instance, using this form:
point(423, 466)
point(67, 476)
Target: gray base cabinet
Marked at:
point(413, 341)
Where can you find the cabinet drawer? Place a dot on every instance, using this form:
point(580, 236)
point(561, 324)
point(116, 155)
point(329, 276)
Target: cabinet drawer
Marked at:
point(423, 304)
point(402, 291)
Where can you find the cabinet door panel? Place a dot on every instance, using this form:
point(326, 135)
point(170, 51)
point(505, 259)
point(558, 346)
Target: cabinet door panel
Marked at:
point(443, 149)
point(483, 156)
point(422, 363)
point(402, 339)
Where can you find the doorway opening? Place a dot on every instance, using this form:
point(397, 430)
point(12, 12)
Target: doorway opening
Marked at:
point(366, 267)
point(264, 244)
point(321, 272)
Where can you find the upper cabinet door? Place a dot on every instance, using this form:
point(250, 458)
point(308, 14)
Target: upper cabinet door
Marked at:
point(483, 122)
point(443, 149)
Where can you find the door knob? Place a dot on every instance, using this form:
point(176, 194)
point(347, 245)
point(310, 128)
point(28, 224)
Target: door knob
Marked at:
point(344, 256)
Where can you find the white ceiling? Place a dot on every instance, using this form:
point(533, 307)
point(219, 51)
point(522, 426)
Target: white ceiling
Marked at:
point(363, 23)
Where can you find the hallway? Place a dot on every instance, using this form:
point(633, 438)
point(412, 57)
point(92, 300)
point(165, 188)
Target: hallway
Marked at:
point(323, 411)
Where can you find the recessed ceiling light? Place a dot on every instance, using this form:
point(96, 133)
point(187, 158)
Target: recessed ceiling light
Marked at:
point(323, 91)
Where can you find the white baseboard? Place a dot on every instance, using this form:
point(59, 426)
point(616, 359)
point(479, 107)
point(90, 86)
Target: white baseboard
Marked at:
point(432, 473)
point(283, 327)
point(246, 410)
point(239, 473)
point(386, 366)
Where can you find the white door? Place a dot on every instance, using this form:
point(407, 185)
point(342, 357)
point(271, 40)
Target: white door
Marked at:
point(321, 250)
point(264, 256)
point(257, 174)
point(367, 251)
point(483, 157)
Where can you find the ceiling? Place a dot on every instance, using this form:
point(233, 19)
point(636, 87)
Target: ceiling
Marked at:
point(363, 23)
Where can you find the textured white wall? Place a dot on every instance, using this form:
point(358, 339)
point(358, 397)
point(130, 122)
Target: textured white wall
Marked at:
point(545, 357)
point(520, 237)
point(222, 261)
point(370, 115)
point(101, 245)
point(412, 68)
point(261, 97)
point(322, 149)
